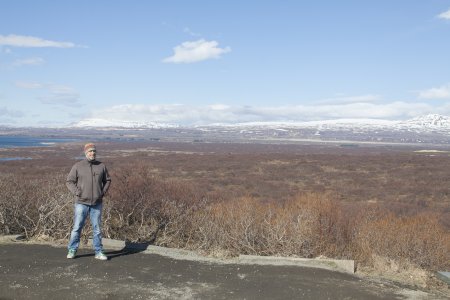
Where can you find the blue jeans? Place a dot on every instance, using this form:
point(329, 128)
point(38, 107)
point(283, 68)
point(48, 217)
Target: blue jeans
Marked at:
point(95, 215)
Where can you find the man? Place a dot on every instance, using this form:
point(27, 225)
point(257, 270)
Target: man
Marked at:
point(89, 181)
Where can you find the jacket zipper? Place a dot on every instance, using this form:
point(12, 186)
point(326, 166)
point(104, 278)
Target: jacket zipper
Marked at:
point(92, 185)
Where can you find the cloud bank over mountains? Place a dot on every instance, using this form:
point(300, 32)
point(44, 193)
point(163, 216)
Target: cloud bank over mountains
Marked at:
point(442, 92)
point(226, 114)
point(340, 107)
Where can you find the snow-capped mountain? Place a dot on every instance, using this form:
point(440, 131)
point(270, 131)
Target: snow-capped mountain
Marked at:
point(433, 121)
point(425, 129)
point(429, 121)
point(425, 123)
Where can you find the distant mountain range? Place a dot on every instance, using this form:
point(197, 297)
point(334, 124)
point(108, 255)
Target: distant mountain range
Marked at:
point(427, 122)
point(427, 129)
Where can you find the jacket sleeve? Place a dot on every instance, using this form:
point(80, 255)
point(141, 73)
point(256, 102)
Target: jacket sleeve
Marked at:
point(106, 181)
point(72, 180)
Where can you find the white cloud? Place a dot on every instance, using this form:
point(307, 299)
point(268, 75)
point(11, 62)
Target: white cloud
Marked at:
point(218, 113)
point(13, 40)
point(5, 50)
point(28, 85)
point(64, 99)
point(190, 32)
point(219, 107)
point(445, 15)
point(58, 95)
point(6, 112)
point(190, 52)
point(35, 61)
point(442, 92)
point(351, 99)
point(61, 95)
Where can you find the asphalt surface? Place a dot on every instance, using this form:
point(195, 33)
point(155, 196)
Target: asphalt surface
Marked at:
point(35, 271)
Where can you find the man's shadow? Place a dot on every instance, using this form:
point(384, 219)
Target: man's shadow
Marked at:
point(128, 249)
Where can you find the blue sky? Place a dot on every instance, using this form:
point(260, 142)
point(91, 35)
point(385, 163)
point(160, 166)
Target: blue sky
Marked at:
point(200, 62)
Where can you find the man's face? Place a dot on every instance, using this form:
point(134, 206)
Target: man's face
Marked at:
point(91, 154)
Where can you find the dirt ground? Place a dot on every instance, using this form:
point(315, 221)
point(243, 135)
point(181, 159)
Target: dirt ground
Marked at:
point(40, 271)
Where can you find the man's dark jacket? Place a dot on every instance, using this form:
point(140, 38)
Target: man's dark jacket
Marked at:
point(88, 181)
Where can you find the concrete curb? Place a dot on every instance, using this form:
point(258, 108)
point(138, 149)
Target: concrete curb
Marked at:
point(444, 276)
point(12, 238)
point(347, 266)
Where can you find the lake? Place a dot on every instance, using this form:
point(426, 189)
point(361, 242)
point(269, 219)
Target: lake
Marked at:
point(13, 158)
point(27, 141)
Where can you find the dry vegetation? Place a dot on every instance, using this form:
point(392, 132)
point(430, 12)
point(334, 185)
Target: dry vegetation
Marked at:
point(368, 204)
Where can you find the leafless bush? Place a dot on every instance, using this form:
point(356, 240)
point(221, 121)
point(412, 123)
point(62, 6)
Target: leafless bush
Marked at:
point(142, 207)
point(316, 225)
point(419, 239)
point(35, 207)
point(301, 227)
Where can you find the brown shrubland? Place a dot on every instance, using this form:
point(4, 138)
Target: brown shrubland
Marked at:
point(359, 206)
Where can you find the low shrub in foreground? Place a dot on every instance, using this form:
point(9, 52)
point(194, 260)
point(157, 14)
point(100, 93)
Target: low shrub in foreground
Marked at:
point(141, 207)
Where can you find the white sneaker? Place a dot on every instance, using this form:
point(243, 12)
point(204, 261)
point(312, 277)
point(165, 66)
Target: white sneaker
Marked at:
point(71, 254)
point(101, 256)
